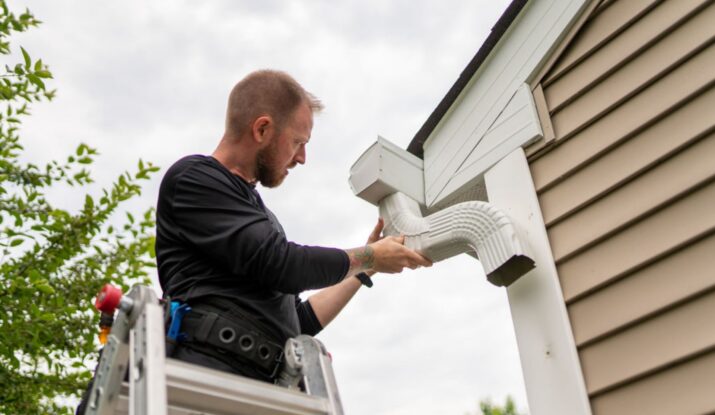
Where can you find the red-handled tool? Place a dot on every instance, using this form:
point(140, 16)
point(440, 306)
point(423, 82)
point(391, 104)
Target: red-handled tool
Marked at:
point(108, 300)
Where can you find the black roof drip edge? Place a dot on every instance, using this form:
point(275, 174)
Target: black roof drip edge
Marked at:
point(501, 26)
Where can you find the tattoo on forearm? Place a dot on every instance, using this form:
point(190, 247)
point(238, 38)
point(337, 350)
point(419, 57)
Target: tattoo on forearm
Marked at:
point(362, 258)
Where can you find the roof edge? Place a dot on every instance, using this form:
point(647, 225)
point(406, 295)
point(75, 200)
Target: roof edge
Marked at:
point(498, 30)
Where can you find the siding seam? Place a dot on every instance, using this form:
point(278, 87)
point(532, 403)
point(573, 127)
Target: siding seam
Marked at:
point(644, 85)
point(620, 276)
point(642, 127)
point(654, 371)
point(649, 316)
point(595, 83)
point(548, 80)
point(628, 179)
point(644, 215)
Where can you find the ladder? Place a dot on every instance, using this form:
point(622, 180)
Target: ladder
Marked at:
point(158, 385)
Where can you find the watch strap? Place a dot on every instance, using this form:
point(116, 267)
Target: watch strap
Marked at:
point(364, 279)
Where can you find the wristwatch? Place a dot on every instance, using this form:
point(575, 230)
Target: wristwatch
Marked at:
point(364, 279)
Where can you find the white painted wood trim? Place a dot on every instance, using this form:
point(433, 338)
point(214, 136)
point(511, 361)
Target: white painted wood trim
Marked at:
point(549, 360)
point(517, 126)
point(519, 54)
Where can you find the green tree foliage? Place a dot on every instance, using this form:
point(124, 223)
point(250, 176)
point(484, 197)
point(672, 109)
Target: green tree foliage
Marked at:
point(487, 408)
point(52, 261)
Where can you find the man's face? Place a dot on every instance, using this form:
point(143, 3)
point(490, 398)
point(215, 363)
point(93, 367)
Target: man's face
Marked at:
point(285, 149)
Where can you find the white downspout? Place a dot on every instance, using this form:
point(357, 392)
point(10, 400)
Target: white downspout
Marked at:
point(388, 176)
point(465, 227)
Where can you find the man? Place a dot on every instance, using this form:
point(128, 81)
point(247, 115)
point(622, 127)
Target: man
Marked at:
point(222, 251)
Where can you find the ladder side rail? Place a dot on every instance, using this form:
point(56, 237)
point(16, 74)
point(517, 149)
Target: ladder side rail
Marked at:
point(331, 384)
point(147, 370)
point(103, 396)
point(319, 378)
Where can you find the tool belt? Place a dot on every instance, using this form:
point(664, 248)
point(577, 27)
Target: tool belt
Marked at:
point(221, 336)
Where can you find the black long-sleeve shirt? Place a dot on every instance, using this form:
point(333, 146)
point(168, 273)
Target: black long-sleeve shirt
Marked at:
point(215, 237)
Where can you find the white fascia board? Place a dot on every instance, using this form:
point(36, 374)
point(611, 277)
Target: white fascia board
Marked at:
point(517, 126)
point(518, 56)
point(549, 359)
point(384, 169)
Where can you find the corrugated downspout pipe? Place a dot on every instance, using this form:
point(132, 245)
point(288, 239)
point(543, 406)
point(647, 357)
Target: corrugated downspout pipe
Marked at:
point(465, 227)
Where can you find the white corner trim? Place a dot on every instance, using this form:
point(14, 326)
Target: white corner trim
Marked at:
point(549, 360)
point(465, 227)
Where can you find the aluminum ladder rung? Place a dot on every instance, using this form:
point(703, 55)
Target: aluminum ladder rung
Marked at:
point(193, 389)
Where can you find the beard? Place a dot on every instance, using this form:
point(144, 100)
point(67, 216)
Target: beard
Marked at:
point(267, 170)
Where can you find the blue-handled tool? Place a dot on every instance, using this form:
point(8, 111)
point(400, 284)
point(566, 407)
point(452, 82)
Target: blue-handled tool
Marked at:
point(178, 311)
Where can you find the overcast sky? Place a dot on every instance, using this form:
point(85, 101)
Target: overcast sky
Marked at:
point(149, 80)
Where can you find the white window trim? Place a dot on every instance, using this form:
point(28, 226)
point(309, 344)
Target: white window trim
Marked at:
point(549, 359)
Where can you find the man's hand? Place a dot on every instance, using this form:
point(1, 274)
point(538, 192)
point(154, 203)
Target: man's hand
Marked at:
point(392, 256)
point(384, 254)
point(381, 254)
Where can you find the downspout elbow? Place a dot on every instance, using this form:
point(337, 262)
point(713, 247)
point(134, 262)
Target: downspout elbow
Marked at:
point(471, 227)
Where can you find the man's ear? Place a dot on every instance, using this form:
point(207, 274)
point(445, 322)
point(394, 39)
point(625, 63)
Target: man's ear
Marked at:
point(261, 128)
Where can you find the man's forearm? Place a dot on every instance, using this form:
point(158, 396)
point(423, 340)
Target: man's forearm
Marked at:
point(328, 302)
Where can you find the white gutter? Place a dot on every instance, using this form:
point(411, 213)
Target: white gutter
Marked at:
point(385, 171)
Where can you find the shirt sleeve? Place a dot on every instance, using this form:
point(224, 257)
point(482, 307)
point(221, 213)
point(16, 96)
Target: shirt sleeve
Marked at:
point(309, 323)
point(223, 222)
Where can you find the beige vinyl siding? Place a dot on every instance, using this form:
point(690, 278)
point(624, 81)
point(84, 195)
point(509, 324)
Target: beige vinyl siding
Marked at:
point(684, 389)
point(626, 186)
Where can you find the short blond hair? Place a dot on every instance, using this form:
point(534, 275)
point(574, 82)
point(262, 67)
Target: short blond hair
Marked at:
point(265, 92)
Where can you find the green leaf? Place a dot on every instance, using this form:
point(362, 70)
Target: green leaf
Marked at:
point(45, 288)
point(36, 80)
point(28, 61)
point(81, 149)
point(152, 247)
point(34, 275)
point(88, 202)
point(16, 242)
point(42, 73)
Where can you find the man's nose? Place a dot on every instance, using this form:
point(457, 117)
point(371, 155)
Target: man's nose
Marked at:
point(300, 155)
